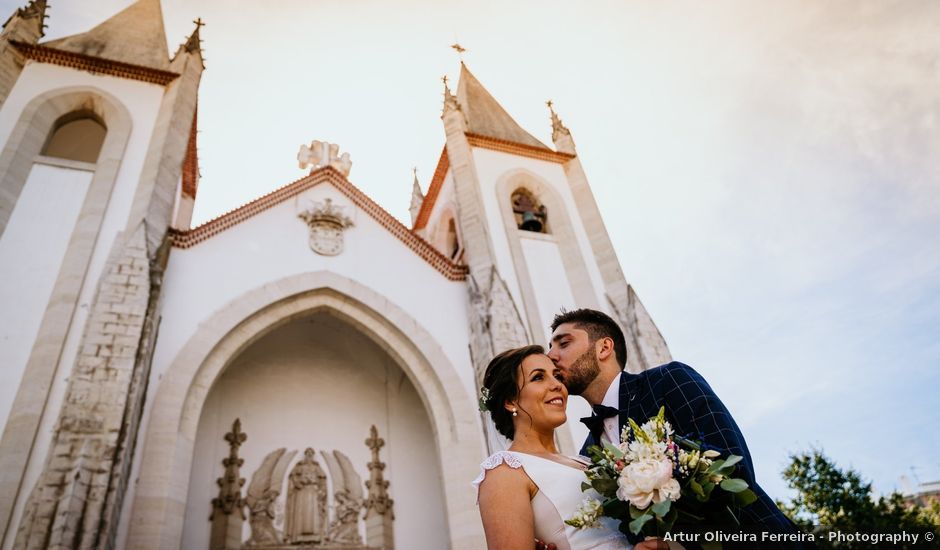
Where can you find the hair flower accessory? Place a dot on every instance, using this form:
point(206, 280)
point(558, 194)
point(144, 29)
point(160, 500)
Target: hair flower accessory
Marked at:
point(484, 397)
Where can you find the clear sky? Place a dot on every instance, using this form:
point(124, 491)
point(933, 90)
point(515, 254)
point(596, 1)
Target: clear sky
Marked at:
point(769, 172)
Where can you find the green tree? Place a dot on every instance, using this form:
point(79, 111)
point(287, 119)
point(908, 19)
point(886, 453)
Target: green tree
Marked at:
point(841, 500)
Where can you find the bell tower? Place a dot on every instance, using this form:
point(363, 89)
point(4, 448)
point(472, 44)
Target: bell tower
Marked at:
point(529, 229)
point(97, 162)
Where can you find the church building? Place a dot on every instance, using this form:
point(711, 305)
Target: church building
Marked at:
point(302, 371)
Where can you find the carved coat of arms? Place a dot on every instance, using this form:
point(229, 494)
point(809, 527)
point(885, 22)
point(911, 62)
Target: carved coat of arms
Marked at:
point(327, 223)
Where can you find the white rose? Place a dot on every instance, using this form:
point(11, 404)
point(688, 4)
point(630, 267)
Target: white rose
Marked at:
point(640, 482)
point(671, 490)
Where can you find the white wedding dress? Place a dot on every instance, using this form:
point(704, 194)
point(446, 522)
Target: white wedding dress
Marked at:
point(558, 498)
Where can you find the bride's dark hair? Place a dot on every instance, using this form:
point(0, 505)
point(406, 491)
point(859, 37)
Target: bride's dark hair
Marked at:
point(501, 386)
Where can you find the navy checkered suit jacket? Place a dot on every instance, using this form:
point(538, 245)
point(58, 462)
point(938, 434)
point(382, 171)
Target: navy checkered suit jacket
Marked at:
point(694, 410)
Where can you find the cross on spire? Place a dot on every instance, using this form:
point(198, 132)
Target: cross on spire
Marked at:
point(459, 49)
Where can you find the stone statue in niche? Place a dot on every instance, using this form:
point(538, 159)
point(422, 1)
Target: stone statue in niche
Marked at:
point(307, 514)
point(307, 518)
point(262, 493)
point(347, 500)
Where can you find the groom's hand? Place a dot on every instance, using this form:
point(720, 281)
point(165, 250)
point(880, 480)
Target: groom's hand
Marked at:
point(539, 545)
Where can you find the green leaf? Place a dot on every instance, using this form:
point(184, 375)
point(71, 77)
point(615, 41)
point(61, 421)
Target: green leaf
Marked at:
point(637, 432)
point(662, 508)
point(715, 466)
point(734, 485)
point(637, 525)
point(745, 497)
point(696, 488)
point(636, 512)
point(614, 450)
point(733, 459)
point(604, 486)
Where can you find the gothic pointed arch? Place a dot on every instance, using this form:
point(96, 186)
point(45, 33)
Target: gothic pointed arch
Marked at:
point(167, 448)
point(38, 123)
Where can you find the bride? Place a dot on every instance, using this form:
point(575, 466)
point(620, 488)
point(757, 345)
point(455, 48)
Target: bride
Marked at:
point(527, 492)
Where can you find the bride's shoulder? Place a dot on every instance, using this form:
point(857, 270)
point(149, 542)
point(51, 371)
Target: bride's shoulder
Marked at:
point(508, 458)
point(493, 462)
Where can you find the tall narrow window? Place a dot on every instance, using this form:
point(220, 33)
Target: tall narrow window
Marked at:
point(531, 215)
point(76, 136)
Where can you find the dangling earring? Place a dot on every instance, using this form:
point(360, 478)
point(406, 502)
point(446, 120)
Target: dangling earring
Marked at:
point(514, 413)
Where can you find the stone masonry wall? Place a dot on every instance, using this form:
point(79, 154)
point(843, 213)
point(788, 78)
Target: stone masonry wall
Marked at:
point(67, 507)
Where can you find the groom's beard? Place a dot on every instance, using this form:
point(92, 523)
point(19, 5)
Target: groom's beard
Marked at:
point(582, 372)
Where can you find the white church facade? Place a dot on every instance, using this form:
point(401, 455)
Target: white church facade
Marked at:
point(302, 371)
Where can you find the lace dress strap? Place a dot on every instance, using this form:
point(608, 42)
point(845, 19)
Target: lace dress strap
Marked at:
point(492, 461)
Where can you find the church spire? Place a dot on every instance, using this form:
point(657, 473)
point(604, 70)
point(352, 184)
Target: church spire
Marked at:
point(561, 136)
point(485, 116)
point(193, 44)
point(450, 100)
point(417, 198)
point(134, 35)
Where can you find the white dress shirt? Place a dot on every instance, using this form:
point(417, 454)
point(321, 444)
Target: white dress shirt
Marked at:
point(612, 399)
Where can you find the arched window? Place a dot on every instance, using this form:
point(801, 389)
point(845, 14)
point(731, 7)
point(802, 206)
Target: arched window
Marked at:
point(531, 215)
point(78, 135)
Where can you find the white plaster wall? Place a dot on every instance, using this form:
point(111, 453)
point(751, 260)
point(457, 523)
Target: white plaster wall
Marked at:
point(445, 201)
point(142, 101)
point(274, 245)
point(319, 383)
point(549, 280)
point(490, 167)
point(31, 252)
point(552, 293)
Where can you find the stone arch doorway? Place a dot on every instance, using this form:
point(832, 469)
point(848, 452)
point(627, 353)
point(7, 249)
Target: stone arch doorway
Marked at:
point(170, 444)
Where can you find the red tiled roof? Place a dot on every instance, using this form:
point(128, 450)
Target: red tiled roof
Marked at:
point(440, 262)
point(433, 191)
point(45, 54)
point(486, 142)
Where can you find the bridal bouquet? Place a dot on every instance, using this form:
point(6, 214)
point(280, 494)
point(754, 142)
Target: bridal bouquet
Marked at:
point(656, 479)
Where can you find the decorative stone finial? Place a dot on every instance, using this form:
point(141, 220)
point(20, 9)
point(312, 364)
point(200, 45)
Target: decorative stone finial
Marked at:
point(417, 197)
point(320, 153)
point(558, 127)
point(378, 502)
point(194, 43)
point(230, 484)
point(27, 23)
point(450, 100)
point(228, 509)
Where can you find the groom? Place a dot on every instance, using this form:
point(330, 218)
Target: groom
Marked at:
point(589, 349)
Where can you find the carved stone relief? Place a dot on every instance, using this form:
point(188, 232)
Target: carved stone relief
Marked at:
point(320, 153)
point(327, 222)
point(495, 323)
point(309, 519)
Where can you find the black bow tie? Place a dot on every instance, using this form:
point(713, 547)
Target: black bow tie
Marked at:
point(595, 422)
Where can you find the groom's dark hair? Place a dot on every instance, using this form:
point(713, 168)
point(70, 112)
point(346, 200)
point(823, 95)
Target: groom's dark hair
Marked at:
point(598, 325)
